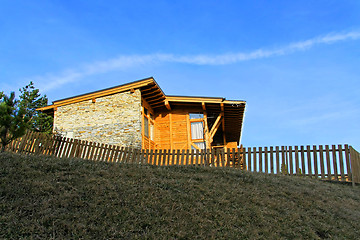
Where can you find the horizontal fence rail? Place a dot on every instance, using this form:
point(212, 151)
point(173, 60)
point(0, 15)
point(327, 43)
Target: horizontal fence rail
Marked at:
point(335, 162)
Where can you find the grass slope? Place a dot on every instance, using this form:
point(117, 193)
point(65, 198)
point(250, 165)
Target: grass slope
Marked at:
point(49, 198)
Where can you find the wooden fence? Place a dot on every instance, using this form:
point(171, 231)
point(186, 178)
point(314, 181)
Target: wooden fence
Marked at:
point(335, 162)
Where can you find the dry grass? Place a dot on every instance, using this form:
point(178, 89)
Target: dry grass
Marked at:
point(49, 198)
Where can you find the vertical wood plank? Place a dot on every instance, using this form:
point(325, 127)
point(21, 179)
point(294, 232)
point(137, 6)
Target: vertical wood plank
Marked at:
point(327, 154)
point(182, 161)
point(347, 159)
point(207, 157)
point(127, 155)
point(187, 157)
point(308, 155)
point(154, 157)
point(291, 164)
point(178, 155)
point(69, 147)
point(283, 161)
point(223, 158)
point(164, 158)
point(341, 160)
point(302, 159)
point(277, 161)
point(255, 160)
point(197, 162)
point(159, 157)
point(244, 158)
point(297, 168)
point(266, 158)
point(316, 168)
point(91, 150)
point(260, 159)
point(249, 159)
point(212, 159)
point(191, 157)
point(109, 150)
point(149, 157)
point(103, 152)
point(322, 164)
point(335, 162)
point(228, 156)
point(271, 159)
point(116, 154)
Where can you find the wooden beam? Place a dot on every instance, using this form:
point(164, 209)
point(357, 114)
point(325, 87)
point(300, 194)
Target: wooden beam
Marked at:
point(155, 99)
point(202, 99)
point(188, 129)
point(132, 90)
point(154, 93)
point(167, 105)
point(215, 126)
point(203, 106)
point(207, 133)
point(223, 128)
point(194, 145)
point(93, 100)
point(222, 107)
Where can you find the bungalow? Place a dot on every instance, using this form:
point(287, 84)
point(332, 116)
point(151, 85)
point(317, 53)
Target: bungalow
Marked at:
point(139, 114)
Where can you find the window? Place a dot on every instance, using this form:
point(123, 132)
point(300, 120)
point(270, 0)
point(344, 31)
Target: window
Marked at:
point(146, 126)
point(196, 115)
point(197, 130)
point(152, 131)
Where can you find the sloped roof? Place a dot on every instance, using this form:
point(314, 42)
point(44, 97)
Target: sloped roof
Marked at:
point(148, 86)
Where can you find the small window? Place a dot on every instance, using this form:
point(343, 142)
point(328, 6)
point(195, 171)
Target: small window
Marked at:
point(197, 130)
point(196, 115)
point(151, 131)
point(146, 127)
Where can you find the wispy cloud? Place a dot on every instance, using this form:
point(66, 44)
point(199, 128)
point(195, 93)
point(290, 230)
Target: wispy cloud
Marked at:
point(125, 62)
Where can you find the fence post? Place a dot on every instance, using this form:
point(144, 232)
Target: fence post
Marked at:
point(355, 165)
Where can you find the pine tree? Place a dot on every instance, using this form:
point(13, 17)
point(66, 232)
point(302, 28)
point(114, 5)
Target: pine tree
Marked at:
point(31, 100)
point(13, 120)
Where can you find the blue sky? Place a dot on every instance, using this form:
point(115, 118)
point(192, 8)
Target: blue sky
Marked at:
point(296, 63)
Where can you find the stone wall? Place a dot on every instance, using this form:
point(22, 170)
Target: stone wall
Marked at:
point(114, 119)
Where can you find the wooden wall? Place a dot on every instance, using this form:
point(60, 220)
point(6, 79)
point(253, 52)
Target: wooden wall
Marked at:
point(171, 130)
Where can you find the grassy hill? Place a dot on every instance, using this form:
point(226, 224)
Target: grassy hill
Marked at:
point(49, 198)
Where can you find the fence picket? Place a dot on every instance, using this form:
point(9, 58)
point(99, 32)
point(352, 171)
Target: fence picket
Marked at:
point(260, 159)
point(271, 159)
point(347, 158)
point(322, 164)
point(249, 159)
point(302, 159)
point(266, 160)
point(291, 167)
point(335, 162)
point(327, 154)
point(277, 155)
point(297, 166)
point(308, 155)
point(341, 160)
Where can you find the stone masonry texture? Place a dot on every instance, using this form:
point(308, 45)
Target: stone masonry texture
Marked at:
point(113, 119)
